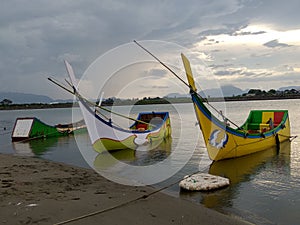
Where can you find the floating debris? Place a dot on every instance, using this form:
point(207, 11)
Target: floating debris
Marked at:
point(203, 182)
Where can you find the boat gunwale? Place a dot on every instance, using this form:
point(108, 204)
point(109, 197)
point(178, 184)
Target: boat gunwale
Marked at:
point(242, 133)
point(56, 131)
point(122, 129)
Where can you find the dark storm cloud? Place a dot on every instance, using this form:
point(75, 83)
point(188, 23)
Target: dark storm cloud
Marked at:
point(36, 35)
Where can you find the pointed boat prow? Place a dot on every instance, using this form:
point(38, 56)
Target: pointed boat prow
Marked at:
point(71, 74)
point(150, 128)
point(262, 130)
point(189, 74)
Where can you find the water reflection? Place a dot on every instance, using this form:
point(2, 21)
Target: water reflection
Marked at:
point(107, 160)
point(34, 147)
point(240, 171)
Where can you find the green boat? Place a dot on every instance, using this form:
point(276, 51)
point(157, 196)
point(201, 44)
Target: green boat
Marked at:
point(28, 128)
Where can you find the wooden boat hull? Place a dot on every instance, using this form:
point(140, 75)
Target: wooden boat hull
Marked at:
point(105, 136)
point(222, 141)
point(28, 128)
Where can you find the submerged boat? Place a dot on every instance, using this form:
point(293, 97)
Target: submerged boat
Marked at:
point(262, 129)
point(150, 128)
point(28, 128)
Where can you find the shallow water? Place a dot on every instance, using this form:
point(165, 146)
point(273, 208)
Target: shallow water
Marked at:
point(264, 188)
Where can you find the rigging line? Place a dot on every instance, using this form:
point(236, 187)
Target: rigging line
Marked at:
point(107, 110)
point(73, 93)
point(60, 85)
point(68, 82)
point(76, 93)
point(291, 137)
point(113, 122)
point(184, 82)
point(126, 203)
point(162, 63)
point(97, 111)
point(254, 142)
point(168, 68)
point(218, 111)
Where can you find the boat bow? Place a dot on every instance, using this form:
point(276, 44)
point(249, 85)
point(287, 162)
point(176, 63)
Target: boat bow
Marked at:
point(223, 141)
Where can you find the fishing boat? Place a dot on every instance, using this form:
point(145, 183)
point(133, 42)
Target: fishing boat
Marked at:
point(261, 130)
point(28, 128)
point(148, 129)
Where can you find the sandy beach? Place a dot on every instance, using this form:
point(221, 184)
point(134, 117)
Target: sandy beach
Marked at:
point(36, 191)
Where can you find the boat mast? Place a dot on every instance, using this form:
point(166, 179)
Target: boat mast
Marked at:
point(78, 95)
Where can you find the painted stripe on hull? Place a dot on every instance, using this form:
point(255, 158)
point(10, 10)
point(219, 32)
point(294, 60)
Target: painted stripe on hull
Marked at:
point(235, 144)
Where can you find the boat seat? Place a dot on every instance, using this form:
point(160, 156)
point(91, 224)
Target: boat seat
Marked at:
point(141, 126)
point(278, 118)
point(253, 126)
point(156, 121)
point(259, 119)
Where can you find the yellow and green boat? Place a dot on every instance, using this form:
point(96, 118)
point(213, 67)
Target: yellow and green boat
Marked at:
point(262, 129)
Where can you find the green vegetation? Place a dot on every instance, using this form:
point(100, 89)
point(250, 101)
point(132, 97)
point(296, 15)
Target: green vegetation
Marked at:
point(144, 101)
point(253, 94)
point(36, 106)
point(271, 92)
point(6, 102)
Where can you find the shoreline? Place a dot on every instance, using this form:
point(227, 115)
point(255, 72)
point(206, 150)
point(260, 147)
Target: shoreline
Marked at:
point(38, 191)
point(146, 102)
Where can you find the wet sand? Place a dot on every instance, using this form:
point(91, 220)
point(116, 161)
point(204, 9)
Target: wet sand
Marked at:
point(36, 191)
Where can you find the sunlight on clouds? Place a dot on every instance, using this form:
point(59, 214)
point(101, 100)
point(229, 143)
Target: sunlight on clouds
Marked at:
point(256, 35)
point(258, 54)
point(290, 37)
point(260, 78)
point(296, 69)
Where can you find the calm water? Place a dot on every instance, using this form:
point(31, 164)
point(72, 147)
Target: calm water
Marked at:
point(265, 187)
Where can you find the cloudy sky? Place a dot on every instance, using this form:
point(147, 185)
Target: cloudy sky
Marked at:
point(247, 43)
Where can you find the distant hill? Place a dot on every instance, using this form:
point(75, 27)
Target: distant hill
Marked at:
point(177, 95)
point(289, 88)
point(230, 90)
point(226, 91)
point(21, 98)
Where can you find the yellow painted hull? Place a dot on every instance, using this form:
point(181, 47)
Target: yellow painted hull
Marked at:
point(223, 142)
point(153, 139)
point(231, 143)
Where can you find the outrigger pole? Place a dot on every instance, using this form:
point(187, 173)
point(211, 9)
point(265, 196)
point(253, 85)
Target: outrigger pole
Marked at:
point(75, 92)
point(191, 88)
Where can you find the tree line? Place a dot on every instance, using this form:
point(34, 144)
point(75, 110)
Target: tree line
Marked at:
point(271, 92)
